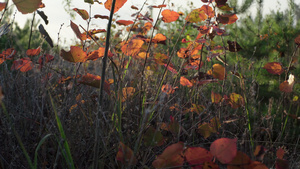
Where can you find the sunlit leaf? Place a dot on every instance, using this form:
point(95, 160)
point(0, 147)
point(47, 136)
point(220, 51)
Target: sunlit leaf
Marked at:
point(197, 156)
point(287, 86)
point(76, 54)
point(185, 82)
point(89, 1)
point(224, 149)
point(158, 6)
point(169, 16)
point(274, 68)
point(197, 15)
point(125, 155)
point(171, 156)
point(27, 6)
point(33, 52)
point(227, 18)
point(153, 137)
point(159, 38)
point(208, 11)
point(24, 64)
point(133, 47)
point(94, 55)
point(218, 72)
point(83, 13)
point(124, 22)
point(2, 5)
point(118, 5)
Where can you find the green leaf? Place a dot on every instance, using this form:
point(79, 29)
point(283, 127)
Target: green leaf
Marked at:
point(89, 1)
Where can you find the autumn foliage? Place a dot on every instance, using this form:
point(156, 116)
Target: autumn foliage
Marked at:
point(168, 102)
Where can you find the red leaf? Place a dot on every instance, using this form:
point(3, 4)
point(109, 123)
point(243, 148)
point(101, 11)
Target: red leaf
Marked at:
point(124, 22)
point(280, 153)
point(197, 156)
point(33, 52)
point(83, 13)
point(170, 157)
point(76, 54)
point(169, 16)
point(168, 89)
point(224, 149)
point(76, 30)
point(282, 164)
point(125, 155)
point(171, 69)
point(297, 40)
point(23, 64)
point(45, 59)
point(2, 5)
point(274, 68)
point(118, 4)
point(159, 6)
point(227, 18)
point(101, 16)
point(134, 7)
point(7, 54)
point(185, 82)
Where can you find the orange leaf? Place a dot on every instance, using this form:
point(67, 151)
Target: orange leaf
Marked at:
point(197, 15)
point(7, 54)
point(274, 68)
point(125, 155)
point(197, 156)
point(169, 16)
point(227, 18)
point(170, 157)
point(83, 13)
point(287, 86)
point(224, 149)
point(208, 11)
point(2, 5)
point(27, 6)
point(124, 22)
point(168, 89)
point(127, 93)
point(159, 6)
point(185, 82)
point(98, 54)
point(218, 72)
point(171, 69)
point(133, 47)
point(159, 38)
point(33, 52)
point(75, 55)
point(23, 64)
point(118, 5)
